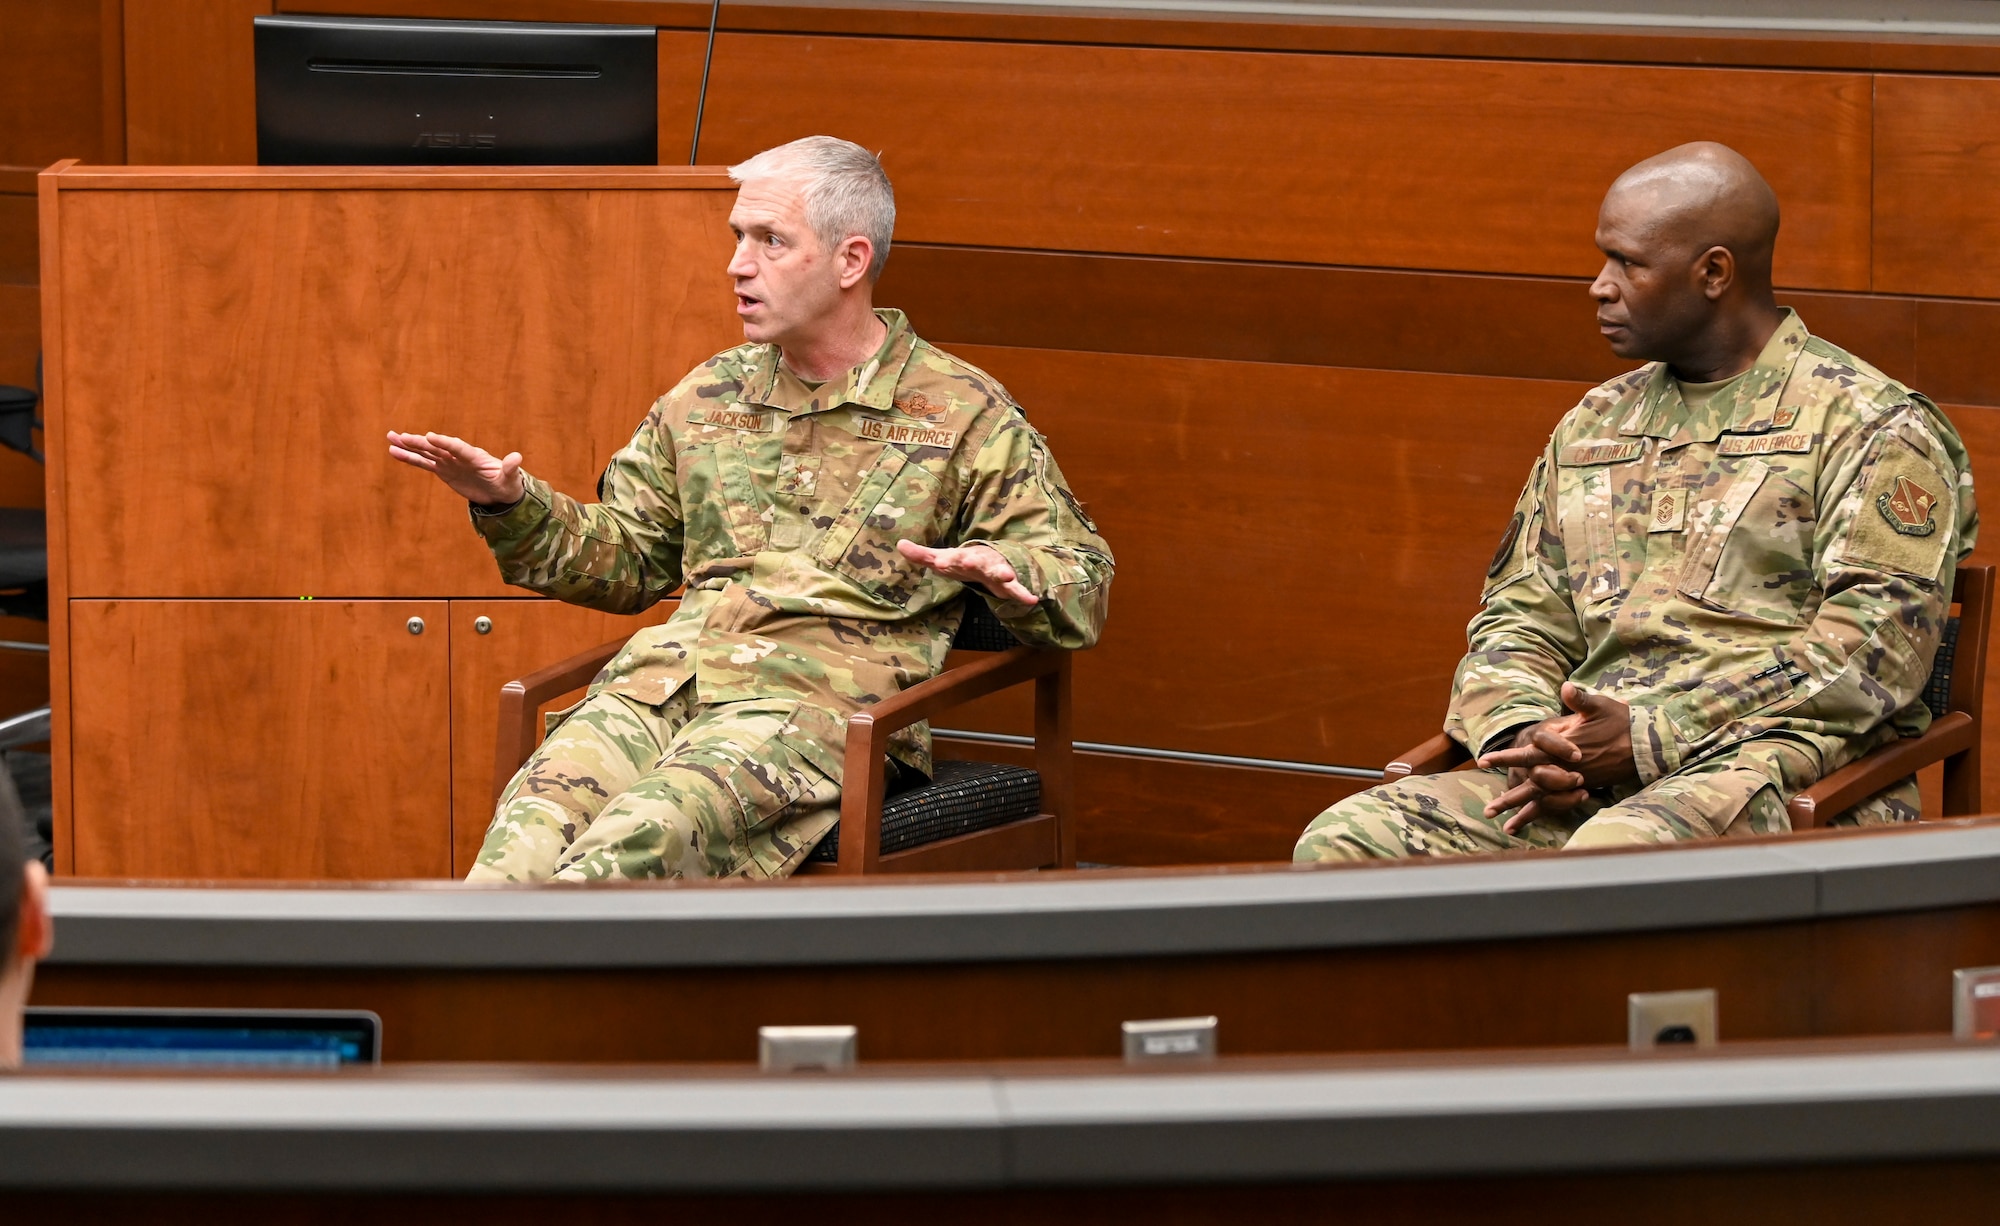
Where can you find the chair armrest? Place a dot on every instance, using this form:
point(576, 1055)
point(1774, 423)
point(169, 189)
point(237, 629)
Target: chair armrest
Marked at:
point(1434, 756)
point(987, 675)
point(522, 699)
point(1953, 732)
point(862, 768)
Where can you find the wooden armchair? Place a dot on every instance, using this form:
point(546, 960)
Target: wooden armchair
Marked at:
point(973, 816)
point(1954, 694)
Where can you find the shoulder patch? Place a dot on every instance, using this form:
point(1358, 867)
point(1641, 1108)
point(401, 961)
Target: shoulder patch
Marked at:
point(1905, 518)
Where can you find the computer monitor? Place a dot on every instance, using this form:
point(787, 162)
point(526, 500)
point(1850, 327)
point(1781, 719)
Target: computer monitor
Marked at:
point(382, 91)
point(286, 1040)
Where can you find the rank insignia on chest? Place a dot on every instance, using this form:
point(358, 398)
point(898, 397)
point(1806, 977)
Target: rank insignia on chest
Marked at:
point(1669, 511)
point(798, 475)
point(1908, 508)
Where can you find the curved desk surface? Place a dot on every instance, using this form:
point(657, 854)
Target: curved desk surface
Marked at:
point(1808, 936)
point(1804, 1115)
point(1052, 916)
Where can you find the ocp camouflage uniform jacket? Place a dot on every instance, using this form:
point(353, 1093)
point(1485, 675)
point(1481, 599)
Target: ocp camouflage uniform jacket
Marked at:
point(1776, 565)
point(780, 506)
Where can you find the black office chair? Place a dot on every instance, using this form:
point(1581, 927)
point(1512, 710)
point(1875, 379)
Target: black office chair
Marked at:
point(24, 592)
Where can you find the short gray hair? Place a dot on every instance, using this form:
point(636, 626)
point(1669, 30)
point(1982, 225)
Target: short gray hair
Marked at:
point(845, 189)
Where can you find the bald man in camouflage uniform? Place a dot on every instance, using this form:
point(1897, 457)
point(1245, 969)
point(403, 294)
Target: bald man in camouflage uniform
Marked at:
point(1710, 594)
point(826, 529)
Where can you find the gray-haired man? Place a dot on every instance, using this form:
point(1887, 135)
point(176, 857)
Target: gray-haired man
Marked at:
point(826, 491)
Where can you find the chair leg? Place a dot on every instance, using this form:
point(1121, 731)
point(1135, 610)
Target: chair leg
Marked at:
point(1055, 757)
point(1961, 783)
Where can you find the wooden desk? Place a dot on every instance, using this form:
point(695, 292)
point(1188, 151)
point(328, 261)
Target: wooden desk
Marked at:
point(265, 655)
point(1836, 935)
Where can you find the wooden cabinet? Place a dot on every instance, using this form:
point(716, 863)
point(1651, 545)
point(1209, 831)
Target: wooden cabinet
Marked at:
point(277, 739)
point(234, 560)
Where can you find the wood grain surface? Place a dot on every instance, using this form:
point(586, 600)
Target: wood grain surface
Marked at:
point(1790, 980)
point(1388, 319)
point(1137, 811)
point(52, 81)
point(525, 635)
point(1299, 548)
point(1199, 31)
point(266, 339)
point(1936, 172)
point(191, 81)
point(285, 739)
point(1064, 148)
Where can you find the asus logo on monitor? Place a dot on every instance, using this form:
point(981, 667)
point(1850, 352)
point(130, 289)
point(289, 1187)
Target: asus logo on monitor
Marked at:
point(455, 140)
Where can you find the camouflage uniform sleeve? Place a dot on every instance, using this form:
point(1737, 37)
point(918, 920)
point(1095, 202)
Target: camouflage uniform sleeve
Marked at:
point(620, 554)
point(1526, 639)
point(1866, 654)
point(1018, 503)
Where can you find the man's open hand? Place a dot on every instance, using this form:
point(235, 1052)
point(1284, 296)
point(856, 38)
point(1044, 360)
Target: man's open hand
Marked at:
point(981, 564)
point(1552, 764)
point(472, 474)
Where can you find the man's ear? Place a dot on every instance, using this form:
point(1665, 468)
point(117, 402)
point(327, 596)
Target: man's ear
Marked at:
point(1717, 270)
point(853, 257)
point(37, 933)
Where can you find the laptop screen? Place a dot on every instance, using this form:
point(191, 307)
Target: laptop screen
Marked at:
point(276, 1039)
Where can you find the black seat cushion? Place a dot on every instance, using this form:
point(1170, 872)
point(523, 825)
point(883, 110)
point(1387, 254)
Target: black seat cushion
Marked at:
point(1937, 690)
point(981, 629)
point(24, 547)
point(963, 798)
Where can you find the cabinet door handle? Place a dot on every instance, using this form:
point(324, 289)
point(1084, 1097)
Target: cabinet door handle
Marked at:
point(416, 625)
point(483, 625)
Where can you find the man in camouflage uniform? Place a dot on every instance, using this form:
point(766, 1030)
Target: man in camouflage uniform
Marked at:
point(1727, 574)
point(826, 492)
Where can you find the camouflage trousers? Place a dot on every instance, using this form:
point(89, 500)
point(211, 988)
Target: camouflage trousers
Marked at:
point(1740, 791)
point(624, 789)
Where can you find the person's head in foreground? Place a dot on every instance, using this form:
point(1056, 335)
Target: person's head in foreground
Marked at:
point(812, 223)
point(26, 934)
point(1687, 238)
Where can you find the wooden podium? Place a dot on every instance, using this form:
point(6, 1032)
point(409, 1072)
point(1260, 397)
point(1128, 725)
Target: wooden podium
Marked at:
point(276, 652)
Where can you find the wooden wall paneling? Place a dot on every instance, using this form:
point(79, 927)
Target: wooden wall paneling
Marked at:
point(525, 635)
point(1936, 173)
point(51, 82)
point(191, 81)
point(1206, 31)
point(1148, 811)
point(298, 326)
point(1369, 499)
point(1955, 344)
point(111, 86)
point(290, 740)
point(1062, 147)
point(681, 53)
point(1383, 319)
point(18, 258)
point(20, 333)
